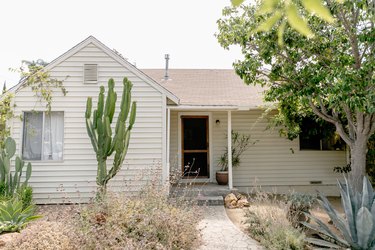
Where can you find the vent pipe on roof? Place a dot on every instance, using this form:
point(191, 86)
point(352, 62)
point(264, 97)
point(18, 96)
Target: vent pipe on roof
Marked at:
point(166, 76)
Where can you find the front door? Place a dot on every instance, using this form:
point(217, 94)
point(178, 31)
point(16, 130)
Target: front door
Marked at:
point(195, 158)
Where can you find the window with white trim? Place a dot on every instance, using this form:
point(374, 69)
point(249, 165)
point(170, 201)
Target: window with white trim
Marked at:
point(43, 136)
point(90, 73)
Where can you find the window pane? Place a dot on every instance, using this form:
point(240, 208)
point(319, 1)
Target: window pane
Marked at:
point(53, 136)
point(32, 136)
point(195, 134)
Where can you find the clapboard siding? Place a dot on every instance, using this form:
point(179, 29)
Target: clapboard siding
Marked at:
point(77, 172)
point(273, 160)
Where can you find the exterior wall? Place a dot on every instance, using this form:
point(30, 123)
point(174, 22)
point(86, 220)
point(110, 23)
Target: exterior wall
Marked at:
point(273, 161)
point(73, 179)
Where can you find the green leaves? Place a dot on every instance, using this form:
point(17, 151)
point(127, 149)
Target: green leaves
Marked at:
point(13, 217)
point(296, 21)
point(316, 7)
point(274, 10)
point(267, 6)
point(237, 2)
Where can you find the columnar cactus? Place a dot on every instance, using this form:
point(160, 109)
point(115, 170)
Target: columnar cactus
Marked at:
point(12, 183)
point(99, 129)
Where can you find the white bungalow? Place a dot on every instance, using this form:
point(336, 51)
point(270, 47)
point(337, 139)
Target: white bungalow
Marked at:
point(181, 115)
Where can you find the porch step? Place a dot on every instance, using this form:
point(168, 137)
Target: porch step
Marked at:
point(206, 190)
point(210, 200)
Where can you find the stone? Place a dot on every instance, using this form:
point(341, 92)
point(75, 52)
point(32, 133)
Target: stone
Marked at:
point(230, 201)
point(243, 202)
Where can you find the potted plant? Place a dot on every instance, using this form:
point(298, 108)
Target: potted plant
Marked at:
point(240, 143)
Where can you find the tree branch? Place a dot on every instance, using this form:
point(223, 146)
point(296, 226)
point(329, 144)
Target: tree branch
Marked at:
point(339, 128)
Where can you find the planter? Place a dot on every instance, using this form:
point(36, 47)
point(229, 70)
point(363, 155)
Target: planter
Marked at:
point(222, 177)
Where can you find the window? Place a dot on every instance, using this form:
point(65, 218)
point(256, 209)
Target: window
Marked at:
point(90, 73)
point(315, 136)
point(43, 135)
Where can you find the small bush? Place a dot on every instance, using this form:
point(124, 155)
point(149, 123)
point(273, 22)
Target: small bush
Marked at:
point(147, 221)
point(298, 205)
point(46, 235)
point(267, 223)
point(25, 194)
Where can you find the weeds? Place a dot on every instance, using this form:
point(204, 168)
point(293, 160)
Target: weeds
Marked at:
point(147, 221)
point(266, 222)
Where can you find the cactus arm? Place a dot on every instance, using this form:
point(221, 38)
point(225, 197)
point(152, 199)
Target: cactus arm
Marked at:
point(132, 115)
point(18, 171)
point(100, 103)
point(2, 170)
point(110, 101)
point(88, 107)
point(108, 135)
point(92, 134)
point(10, 147)
point(28, 173)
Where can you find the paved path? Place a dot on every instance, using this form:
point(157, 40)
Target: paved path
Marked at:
point(219, 233)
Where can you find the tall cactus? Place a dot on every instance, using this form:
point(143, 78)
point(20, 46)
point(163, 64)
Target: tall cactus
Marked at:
point(12, 183)
point(98, 124)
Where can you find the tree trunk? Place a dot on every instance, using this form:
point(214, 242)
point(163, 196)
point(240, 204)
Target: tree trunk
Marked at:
point(358, 153)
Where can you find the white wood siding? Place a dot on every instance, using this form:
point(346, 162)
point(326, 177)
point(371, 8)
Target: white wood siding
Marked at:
point(271, 161)
point(73, 179)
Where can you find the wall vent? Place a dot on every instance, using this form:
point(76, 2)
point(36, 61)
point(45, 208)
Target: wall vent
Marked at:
point(90, 72)
point(315, 182)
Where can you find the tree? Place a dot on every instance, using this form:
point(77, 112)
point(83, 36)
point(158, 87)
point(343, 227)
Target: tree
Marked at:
point(281, 13)
point(330, 75)
point(40, 81)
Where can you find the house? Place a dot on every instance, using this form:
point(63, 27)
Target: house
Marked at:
point(198, 107)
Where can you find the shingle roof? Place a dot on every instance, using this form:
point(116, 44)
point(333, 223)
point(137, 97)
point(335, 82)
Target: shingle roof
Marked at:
point(209, 87)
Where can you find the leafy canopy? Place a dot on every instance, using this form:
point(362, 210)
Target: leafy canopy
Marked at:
point(326, 72)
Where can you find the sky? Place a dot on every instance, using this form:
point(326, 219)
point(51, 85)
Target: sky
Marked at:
point(142, 31)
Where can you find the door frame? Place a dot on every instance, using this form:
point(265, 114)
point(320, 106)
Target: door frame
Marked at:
point(210, 151)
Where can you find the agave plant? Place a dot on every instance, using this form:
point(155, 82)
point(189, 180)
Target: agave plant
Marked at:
point(358, 226)
point(13, 217)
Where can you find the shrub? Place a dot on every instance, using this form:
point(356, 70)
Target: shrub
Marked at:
point(298, 204)
point(266, 222)
point(46, 235)
point(147, 221)
point(25, 194)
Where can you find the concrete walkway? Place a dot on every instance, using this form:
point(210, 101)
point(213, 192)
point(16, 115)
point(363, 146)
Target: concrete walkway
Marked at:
point(219, 233)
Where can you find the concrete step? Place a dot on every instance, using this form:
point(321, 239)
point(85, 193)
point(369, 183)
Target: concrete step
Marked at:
point(210, 200)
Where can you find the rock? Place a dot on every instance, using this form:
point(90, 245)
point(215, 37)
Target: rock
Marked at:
point(243, 202)
point(230, 201)
point(7, 237)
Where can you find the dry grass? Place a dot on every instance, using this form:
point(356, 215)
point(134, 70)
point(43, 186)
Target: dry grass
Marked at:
point(266, 221)
point(146, 221)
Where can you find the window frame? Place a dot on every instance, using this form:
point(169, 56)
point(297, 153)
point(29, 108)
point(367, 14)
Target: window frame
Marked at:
point(42, 149)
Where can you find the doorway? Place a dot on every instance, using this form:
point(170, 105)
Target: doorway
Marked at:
point(195, 147)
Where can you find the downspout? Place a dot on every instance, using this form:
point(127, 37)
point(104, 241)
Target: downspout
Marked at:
point(230, 172)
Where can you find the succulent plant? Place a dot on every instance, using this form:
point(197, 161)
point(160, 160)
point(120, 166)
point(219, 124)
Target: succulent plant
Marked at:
point(11, 180)
point(99, 129)
point(13, 217)
point(358, 226)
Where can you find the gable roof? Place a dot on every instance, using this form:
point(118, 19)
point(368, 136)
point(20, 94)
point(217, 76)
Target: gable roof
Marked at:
point(114, 56)
point(209, 87)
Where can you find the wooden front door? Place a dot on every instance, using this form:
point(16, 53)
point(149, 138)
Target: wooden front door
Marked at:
point(195, 153)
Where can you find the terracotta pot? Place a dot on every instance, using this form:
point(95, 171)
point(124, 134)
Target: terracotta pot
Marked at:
point(222, 177)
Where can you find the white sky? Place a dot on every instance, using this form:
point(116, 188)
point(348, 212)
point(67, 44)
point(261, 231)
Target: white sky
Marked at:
point(142, 31)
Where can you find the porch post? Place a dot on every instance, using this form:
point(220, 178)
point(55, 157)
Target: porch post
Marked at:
point(168, 142)
point(230, 174)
